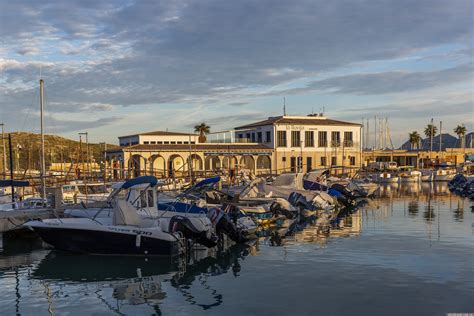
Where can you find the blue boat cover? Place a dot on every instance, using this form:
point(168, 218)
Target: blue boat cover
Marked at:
point(151, 180)
point(181, 207)
point(15, 183)
point(335, 193)
point(314, 186)
point(208, 181)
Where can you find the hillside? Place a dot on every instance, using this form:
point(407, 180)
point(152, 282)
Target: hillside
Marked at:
point(27, 146)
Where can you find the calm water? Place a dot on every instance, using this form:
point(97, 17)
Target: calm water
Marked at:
point(409, 252)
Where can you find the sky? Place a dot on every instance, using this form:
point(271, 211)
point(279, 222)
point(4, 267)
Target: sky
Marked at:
point(119, 67)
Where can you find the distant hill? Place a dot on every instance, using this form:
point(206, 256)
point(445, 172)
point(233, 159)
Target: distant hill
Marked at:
point(448, 141)
point(27, 149)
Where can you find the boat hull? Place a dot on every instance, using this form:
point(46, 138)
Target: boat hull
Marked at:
point(427, 178)
point(387, 180)
point(444, 177)
point(409, 179)
point(106, 242)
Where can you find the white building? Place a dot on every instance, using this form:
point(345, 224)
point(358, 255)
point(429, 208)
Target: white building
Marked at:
point(158, 138)
point(308, 141)
point(278, 144)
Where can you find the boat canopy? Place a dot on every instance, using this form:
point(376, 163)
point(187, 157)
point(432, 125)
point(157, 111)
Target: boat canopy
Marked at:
point(208, 181)
point(15, 183)
point(150, 180)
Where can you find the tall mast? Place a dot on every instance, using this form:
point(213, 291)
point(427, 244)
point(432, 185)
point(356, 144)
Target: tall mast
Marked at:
point(375, 132)
point(4, 153)
point(431, 138)
point(43, 163)
point(368, 134)
point(440, 137)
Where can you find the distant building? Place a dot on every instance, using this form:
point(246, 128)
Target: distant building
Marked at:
point(278, 144)
point(158, 138)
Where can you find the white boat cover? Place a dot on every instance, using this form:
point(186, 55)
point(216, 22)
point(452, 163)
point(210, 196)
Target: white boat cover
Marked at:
point(125, 214)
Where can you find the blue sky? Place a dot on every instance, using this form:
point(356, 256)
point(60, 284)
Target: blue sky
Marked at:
point(118, 67)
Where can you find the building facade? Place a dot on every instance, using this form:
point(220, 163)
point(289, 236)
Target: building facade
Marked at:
point(276, 145)
point(302, 143)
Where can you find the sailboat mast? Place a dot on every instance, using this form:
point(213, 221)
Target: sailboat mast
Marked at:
point(440, 137)
point(43, 163)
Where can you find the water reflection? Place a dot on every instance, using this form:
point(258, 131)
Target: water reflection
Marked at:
point(413, 208)
point(137, 280)
point(429, 214)
point(458, 211)
point(198, 272)
point(417, 233)
point(414, 189)
point(424, 196)
point(317, 229)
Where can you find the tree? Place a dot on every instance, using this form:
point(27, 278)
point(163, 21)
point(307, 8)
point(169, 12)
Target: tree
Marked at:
point(203, 130)
point(414, 139)
point(430, 130)
point(461, 130)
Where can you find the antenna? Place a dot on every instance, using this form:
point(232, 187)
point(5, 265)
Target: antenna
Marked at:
point(284, 106)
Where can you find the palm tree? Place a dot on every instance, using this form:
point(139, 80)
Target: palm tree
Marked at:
point(430, 130)
point(414, 139)
point(461, 130)
point(202, 129)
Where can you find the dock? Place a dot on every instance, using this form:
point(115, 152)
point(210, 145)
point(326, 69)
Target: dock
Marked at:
point(12, 221)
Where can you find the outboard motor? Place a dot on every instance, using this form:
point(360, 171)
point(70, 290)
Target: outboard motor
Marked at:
point(189, 230)
point(278, 209)
point(341, 193)
point(224, 224)
point(298, 200)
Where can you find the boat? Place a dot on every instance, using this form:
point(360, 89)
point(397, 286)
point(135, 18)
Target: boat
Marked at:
point(126, 233)
point(427, 175)
point(410, 176)
point(444, 174)
point(80, 192)
point(363, 187)
point(387, 177)
point(12, 203)
point(227, 217)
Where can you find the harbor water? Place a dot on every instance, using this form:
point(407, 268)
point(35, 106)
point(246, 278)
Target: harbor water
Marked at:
point(409, 251)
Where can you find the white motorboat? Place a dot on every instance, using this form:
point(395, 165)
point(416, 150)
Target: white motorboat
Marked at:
point(444, 175)
point(80, 192)
point(427, 175)
point(410, 176)
point(387, 177)
point(126, 232)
